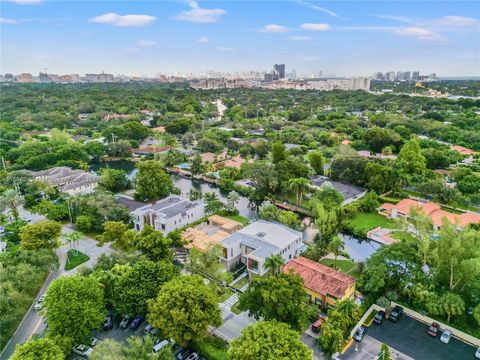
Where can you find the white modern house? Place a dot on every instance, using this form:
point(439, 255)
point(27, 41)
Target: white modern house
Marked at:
point(256, 242)
point(168, 214)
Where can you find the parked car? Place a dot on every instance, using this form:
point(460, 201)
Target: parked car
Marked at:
point(137, 321)
point(160, 345)
point(39, 304)
point(379, 317)
point(445, 338)
point(192, 356)
point(318, 324)
point(477, 353)
point(433, 329)
point(395, 314)
point(149, 329)
point(93, 341)
point(82, 350)
point(125, 321)
point(184, 353)
point(108, 323)
point(359, 334)
point(2, 229)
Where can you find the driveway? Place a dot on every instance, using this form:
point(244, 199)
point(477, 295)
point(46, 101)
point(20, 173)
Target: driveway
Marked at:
point(409, 337)
point(310, 341)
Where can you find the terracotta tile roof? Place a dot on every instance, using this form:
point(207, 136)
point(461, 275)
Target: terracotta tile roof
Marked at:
point(462, 150)
point(151, 149)
point(320, 278)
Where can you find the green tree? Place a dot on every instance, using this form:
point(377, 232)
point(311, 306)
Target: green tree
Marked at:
point(114, 180)
point(42, 235)
point(380, 178)
point(115, 231)
point(290, 219)
point(84, 223)
point(268, 211)
point(151, 182)
point(278, 152)
point(336, 246)
point(153, 244)
point(328, 197)
point(38, 349)
point(448, 304)
point(268, 340)
point(108, 349)
point(140, 283)
point(206, 263)
point(281, 298)
point(232, 200)
point(212, 203)
point(184, 308)
point(299, 186)
point(328, 222)
point(316, 161)
point(476, 314)
point(410, 161)
point(74, 307)
point(384, 353)
point(197, 167)
point(331, 338)
point(273, 264)
point(11, 199)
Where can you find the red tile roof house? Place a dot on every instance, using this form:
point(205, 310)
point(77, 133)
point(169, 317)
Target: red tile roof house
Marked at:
point(430, 209)
point(324, 286)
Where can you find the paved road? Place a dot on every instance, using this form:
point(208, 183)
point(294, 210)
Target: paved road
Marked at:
point(33, 323)
point(310, 341)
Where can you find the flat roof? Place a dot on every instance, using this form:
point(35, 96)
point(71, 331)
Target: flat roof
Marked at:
point(348, 191)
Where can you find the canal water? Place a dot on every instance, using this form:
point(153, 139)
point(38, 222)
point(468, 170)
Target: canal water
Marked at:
point(358, 249)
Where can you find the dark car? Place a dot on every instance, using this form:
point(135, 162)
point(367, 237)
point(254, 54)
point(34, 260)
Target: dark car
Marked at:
point(359, 334)
point(108, 323)
point(395, 314)
point(433, 329)
point(137, 321)
point(379, 317)
point(318, 324)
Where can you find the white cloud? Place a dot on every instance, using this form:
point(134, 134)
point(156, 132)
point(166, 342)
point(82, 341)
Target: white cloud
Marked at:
point(274, 28)
point(144, 43)
point(124, 20)
point(198, 15)
point(299, 38)
point(420, 34)
point(8, 21)
point(395, 18)
point(203, 40)
point(319, 8)
point(452, 20)
point(315, 27)
point(25, 2)
point(225, 49)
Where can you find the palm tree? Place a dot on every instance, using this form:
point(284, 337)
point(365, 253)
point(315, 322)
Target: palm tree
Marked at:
point(299, 186)
point(273, 264)
point(11, 199)
point(336, 246)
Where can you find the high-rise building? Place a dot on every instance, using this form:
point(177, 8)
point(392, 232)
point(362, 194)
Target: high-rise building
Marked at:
point(378, 76)
point(390, 76)
point(279, 70)
point(415, 75)
point(25, 78)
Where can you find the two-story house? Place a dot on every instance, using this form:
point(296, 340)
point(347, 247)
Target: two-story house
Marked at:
point(256, 242)
point(168, 214)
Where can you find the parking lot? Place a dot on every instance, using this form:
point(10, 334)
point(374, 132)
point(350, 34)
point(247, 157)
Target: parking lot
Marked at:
point(409, 339)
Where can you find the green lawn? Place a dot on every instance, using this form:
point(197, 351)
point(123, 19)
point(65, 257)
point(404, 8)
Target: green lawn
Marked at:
point(241, 283)
point(226, 294)
point(235, 309)
point(75, 258)
point(364, 222)
point(212, 348)
point(345, 266)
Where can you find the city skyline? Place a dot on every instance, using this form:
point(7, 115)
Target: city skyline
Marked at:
point(144, 38)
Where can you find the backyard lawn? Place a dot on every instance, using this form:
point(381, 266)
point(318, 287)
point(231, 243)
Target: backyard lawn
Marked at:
point(241, 283)
point(345, 266)
point(364, 222)
point(239, 218)
point(75, 258)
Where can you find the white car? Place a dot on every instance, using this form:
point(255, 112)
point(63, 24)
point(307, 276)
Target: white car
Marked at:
point(82, 350)
point(93, 341)
point(39, 304)
point(477, 353)
point(445, 338)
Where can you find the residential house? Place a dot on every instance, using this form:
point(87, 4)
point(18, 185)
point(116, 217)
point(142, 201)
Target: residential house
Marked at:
point(256, 242)
point(67, 180)
point(430, 209)
point(168, 214)
point(149, 150)
point(350, 193)
point(324, 286)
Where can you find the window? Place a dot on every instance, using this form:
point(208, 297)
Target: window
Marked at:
point(163, 226)
point(318, 301)
point(231, 252)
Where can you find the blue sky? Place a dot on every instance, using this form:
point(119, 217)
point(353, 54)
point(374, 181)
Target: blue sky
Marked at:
point(152, 37)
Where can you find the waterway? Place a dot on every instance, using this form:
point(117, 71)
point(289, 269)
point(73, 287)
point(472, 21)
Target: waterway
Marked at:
point(358, 249)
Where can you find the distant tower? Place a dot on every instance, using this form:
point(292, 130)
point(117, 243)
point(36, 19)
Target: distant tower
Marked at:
point(279, 71)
